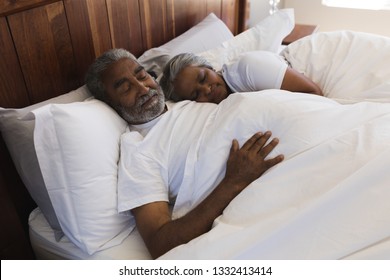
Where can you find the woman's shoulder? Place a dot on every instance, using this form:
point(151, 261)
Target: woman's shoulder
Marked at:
point(258, 55)
point(251, 61)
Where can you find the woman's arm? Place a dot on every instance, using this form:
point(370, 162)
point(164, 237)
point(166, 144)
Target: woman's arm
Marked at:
point(297, 82)
point(262, 70)
point(244, 165)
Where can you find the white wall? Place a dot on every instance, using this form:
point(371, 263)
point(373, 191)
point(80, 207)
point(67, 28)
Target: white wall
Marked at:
point(330, 19)
point(259, 9)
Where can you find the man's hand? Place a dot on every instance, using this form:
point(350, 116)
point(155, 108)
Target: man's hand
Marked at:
point(244, 165)
point(249, 162)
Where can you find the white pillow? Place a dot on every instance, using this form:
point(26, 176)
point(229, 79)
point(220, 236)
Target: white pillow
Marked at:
point(348, 66)
point(267, 35)
point(77, 147)
point(207, 34)
point(17, 128)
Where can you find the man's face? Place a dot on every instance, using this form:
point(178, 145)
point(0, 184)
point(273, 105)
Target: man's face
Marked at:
point(133, 92)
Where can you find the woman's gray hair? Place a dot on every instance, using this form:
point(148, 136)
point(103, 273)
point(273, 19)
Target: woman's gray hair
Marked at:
point(174, 67)
point(95, 71)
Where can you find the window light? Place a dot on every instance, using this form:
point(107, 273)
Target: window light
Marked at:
point(359, 4)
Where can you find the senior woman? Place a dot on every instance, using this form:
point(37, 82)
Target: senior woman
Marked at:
point(190, 77)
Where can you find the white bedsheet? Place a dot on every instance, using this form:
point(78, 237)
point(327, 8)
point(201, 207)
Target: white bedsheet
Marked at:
point(348, 66)
point(327, 200)
point(47, 248)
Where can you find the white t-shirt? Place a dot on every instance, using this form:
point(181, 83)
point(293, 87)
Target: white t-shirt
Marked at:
point(152, 167)
point(254, 71)
point(144, 128)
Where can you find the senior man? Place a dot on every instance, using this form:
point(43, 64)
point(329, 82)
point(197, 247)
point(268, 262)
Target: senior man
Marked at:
point(154, 150)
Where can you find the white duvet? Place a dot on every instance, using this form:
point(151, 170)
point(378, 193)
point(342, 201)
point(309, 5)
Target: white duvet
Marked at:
point(329, 198)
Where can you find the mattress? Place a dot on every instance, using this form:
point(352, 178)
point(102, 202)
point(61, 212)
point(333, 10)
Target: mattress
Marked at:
point(46, 247)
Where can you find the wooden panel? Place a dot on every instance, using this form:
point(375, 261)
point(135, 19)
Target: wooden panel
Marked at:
point(43, 44)
point(242, 16)
point(13, 242)
point(15, 207)
point(155, 27)
point(227, 10)
point(11, 6)
point(125, 25)
point(187, 13)
point(214, 7)
point(229, 14)
point(89, 29)
point(13, 92)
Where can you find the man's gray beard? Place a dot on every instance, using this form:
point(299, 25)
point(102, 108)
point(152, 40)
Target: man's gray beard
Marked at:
point(137, 115)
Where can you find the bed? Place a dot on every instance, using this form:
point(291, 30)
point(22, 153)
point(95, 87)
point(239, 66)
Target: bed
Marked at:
point(46, 47)
point(327, 200)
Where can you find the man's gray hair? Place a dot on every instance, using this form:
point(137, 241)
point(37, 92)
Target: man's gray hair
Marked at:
point(174, 67)
point(95, 71)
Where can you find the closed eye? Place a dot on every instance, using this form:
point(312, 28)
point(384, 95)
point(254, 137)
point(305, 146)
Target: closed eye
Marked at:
point(194, 96)
point(141, 73)
point(122, 85)
point(119, 83)
point(202, 78)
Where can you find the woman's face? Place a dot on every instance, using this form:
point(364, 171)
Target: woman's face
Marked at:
point(200, 84)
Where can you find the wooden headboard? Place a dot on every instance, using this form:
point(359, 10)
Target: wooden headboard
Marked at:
point(46, 47)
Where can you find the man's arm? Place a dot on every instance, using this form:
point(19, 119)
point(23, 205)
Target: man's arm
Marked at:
point(244, 165)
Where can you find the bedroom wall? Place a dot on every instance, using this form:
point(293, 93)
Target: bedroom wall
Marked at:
point(259, 9)
point(330, 19)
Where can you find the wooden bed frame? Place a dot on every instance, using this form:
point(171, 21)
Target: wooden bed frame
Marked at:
point(46, 47)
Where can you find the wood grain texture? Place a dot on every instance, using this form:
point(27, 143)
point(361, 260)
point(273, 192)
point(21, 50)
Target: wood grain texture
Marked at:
point(125, 25)
point(89, 31)
point(215, 7)
point(16, 205)
point(13, 91)
point(243, 15)
point(156, 25)
point(229, 15)
point(187, 13)
point(12, 6)
point(44, 48)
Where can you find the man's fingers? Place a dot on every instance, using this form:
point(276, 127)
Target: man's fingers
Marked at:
point(273, 161)
point(257, 141)
point(259, 144)
point(234, 146)
point(268, 148)
point(251, 141)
